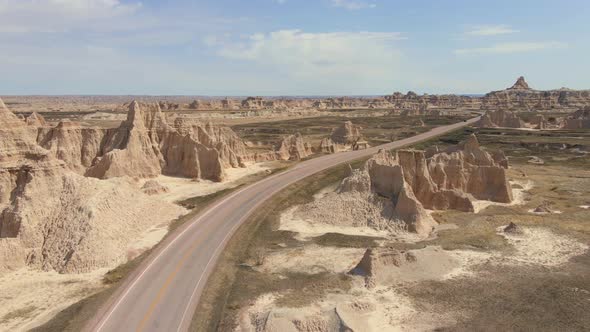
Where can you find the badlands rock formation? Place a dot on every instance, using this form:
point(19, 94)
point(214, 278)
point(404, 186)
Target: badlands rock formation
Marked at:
point(539, 122)
point(345, 137)
point(520, 84)
point(578, 120)
point(54, 219)
point(392, 192)
point(521, 96)
point(449, 179)
point(293, 147)
point(500, 118)
point(146, 145)
point(347, 133)
point(414, 102)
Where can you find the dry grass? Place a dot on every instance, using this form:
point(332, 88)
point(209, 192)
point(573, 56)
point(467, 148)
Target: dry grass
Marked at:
point(509, 298)
point(376, 129)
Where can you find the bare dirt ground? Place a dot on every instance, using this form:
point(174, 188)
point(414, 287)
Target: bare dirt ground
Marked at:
point(184, 188)
point(470, 275)
point(30, 298)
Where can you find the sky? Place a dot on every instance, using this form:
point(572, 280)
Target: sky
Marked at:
point(290, 47)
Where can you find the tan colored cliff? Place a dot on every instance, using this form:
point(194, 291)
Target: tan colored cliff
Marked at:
point(522, 97)
point(293, 147)
point(52, 218)
point(500, 118)
point(347, 133)
point(146, 145)
point(447, 179)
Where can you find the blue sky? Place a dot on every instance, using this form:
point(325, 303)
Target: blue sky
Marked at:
point(290, 47)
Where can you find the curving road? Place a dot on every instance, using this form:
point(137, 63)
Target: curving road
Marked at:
point(162, 293)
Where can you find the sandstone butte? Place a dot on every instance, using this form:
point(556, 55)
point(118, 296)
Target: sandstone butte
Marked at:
point(293, 147)
point(344, 137)
point(433, 179)
point(146, 144)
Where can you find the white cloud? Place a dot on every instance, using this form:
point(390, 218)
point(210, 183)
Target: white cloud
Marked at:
point(352, 5)
point(508, 48)
point(490, 30)
point(333, 58)
point(26, 16)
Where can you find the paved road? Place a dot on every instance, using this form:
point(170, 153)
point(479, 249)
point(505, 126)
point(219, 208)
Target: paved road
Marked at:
point(162, 294)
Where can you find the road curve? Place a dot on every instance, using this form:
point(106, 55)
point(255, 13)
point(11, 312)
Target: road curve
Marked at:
point(163, 292)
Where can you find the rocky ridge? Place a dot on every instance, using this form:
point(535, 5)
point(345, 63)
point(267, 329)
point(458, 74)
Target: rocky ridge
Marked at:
point(437, 180)
point(521, 97)
point(293, 147)
point(53, 218)
point(347, 136)
point(146, 144)
point(500, 118)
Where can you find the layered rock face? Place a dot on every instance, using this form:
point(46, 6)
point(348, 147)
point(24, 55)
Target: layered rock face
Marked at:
point(578, 120)
point(293, 147)
point(521, 96)
point(500, 118)
point(54, 219)
point(343, 138)
point(449, 179)
point(539, 122)
point(328, 146)
point(520, 84)
point(347, 133)
point(414, 104)
point(146, 145)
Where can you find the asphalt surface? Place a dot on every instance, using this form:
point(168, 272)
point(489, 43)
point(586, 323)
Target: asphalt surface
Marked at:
point(163, 292)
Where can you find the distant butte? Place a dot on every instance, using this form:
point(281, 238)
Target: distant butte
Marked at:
point(520, 84)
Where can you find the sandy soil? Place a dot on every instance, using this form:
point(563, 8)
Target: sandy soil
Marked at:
point(183, 188)
point(542, 247)
point(361, 309)
point(381, 308)
point(307, 229)
point(30, 298)
point(312, 259)
point(385, 308)
point(147, 240)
